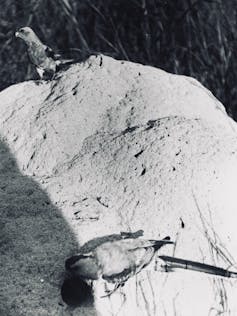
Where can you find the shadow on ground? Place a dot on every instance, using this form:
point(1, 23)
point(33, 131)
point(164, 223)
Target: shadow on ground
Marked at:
point(34, 242)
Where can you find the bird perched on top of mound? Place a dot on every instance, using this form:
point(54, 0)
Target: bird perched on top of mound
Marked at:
point(46, 61)
point(116, 260)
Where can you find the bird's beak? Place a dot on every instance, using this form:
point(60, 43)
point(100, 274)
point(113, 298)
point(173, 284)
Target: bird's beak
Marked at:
point(17, 34)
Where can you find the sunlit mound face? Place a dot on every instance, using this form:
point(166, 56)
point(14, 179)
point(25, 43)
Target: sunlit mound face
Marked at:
point(24, 32)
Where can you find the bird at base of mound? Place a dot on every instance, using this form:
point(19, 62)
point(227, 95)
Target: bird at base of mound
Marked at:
point(114, 261)
point(46, 61)
point(116, 258)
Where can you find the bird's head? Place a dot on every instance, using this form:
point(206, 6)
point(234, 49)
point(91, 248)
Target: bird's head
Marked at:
point(83, 265)
point(27, 34)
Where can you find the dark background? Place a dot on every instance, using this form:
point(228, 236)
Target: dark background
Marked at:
point(196, 38)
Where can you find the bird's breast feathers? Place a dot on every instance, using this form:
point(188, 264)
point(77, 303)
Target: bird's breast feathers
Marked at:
point(116, 257)
point(39, 58)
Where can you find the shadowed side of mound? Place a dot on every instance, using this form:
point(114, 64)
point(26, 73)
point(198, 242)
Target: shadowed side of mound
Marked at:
point(34, 242)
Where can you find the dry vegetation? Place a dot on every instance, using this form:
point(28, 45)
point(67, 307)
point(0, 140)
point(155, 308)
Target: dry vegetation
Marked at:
point(189, 37)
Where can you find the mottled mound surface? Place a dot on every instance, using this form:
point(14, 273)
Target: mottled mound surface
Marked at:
point(113, 146)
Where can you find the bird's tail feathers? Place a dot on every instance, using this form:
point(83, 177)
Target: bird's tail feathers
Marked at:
point(61, 62)
point(157, 244)
point(167, 238)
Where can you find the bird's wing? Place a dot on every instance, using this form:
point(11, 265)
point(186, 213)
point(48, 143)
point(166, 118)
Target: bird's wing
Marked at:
point(98, 241)
point(136, 234)
point(131, 244)
point(50, 53)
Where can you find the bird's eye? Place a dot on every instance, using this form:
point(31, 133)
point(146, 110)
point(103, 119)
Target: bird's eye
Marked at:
point(21, 31)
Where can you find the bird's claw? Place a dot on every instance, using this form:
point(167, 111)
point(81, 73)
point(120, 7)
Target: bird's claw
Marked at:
point(110, 292)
